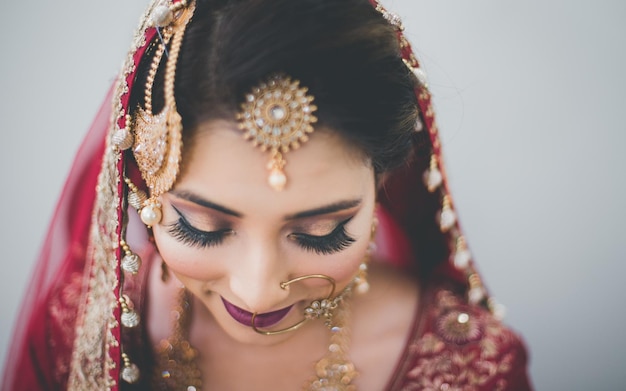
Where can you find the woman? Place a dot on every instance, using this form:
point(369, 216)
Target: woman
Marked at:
point(293, 227)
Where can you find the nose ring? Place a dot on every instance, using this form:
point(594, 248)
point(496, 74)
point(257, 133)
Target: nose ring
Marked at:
point(317, 309)
point(285, 285)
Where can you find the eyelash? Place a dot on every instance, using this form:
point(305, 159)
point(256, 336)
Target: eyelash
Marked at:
point(335, 241)
point(188, 234)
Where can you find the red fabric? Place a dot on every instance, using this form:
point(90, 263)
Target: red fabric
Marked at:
point(443, 354)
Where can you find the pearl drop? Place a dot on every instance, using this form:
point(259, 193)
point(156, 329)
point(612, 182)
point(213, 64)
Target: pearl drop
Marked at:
point(363, 287)
point(421, 76)
point(498, 310)
point(419, 125)
point(462, 259)
point(475, 295)
point(277, 179)
point(130, 373)
point(162, 16)
point(130, 318)
point(131, 263)
point(447, 219)
point(151, 215)
point(433, 179)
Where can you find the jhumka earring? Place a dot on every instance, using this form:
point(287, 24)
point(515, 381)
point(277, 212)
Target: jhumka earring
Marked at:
point(362, 285)
point(277, 115)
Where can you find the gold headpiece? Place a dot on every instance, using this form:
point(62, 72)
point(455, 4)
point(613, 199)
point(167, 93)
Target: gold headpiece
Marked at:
point(277, 115)
point(158, 137)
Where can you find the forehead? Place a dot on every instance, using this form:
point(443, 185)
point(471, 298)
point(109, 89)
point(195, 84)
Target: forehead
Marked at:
point(220, 165)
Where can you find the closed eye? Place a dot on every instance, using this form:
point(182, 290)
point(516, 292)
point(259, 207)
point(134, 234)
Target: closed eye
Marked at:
point(335, 241)
point(186, 233)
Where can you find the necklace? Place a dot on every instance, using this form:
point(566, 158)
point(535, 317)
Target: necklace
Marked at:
point(176, 362)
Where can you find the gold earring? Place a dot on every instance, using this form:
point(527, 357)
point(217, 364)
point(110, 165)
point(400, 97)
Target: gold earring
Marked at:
point(158, 137)
point(362, 285)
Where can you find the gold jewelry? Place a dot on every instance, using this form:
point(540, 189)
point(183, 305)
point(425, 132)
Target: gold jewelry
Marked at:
point(433, 177)
point(318, 309)
point(131, 262)
point(362, 285)
point(130, 318)
point(177, 369)
point(158, 137)
point(277, 115)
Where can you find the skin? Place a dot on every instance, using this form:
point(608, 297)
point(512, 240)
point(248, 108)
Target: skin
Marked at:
point(328, 184)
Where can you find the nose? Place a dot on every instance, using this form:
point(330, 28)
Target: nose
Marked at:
point(256, 279)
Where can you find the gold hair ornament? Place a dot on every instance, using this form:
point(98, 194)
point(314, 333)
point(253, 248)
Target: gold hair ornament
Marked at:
point(277, 116)
point(158, 137)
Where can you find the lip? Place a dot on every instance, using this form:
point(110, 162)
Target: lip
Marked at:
point(262, 320)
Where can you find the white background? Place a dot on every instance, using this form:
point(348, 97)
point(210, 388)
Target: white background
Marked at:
point(530, 97)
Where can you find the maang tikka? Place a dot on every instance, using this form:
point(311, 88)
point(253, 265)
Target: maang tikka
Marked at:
point(158, 137)
point(277, 115)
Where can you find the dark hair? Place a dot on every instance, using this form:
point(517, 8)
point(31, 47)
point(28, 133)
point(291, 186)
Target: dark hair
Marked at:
point(344, 51)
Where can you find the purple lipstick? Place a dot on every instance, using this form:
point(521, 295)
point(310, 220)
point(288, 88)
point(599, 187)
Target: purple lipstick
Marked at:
point(262, 320)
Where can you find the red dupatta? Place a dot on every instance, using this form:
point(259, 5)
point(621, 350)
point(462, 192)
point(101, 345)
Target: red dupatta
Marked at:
point(72, 335)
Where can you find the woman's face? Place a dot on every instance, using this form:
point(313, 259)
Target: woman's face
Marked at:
point(231, 239)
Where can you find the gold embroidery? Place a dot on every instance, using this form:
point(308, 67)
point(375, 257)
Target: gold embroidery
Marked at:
point(461, 357)
point(91, 363)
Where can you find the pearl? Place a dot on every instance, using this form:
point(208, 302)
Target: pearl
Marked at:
point(151, 215)
point(447, 219)
point(475, 295)
point(362, 287)
point(419, 125)
point(130, 318)
point(463, 318)
point(462, 259)
point(130, 373)
point(277, 179)
point(131, 263)
point(433, 179)
point(278, 113)
point(162, 16)
point(498, 310)
point(421, 76)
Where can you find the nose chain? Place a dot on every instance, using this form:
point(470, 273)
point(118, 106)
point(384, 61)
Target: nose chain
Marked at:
point(177, 369)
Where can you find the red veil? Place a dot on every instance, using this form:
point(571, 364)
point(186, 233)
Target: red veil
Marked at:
point(69, 334)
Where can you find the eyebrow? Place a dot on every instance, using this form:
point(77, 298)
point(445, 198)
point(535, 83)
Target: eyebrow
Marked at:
point(326, 209)
point(185, 195)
